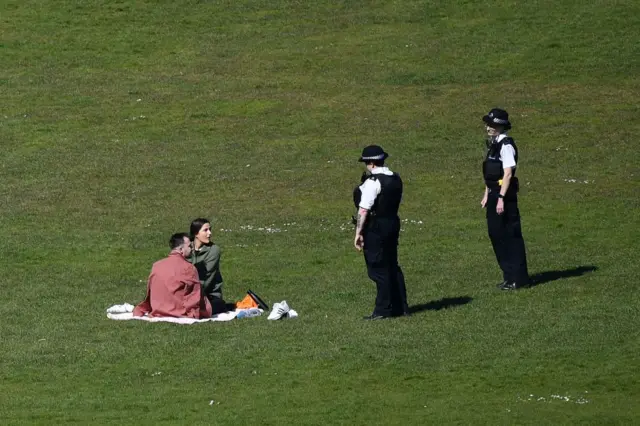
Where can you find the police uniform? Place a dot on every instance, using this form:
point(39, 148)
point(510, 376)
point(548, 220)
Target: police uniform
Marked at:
point(380, 194)
point(504, 229)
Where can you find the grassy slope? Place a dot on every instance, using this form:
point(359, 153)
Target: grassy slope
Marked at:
point(252, 113)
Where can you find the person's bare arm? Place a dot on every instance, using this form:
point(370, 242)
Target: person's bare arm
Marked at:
point(360, 221)
point(483, 203)
point(506, 181)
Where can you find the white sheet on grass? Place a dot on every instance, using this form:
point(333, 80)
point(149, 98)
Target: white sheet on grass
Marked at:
point(125, 312)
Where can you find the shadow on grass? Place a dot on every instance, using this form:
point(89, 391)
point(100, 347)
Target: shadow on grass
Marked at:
point(548, 276)
point(444, 303)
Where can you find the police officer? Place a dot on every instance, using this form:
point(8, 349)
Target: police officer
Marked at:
point(377, 232)
point(501, 201)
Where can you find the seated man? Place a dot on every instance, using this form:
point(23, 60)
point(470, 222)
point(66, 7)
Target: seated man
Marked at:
point(174, 289)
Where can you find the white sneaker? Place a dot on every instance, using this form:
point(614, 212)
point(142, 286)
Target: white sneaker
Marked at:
point(274, 312)
point(279, 310)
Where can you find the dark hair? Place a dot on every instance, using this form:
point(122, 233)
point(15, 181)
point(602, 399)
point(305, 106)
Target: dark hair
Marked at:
point(196, 226)
point(377, 163)
point(177, 239)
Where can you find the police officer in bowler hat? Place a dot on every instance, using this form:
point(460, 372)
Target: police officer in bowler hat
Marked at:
point(377, 232)
point(501, 201)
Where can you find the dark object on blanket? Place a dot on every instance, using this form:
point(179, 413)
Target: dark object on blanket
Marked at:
point(261, 303)
point(219, 306)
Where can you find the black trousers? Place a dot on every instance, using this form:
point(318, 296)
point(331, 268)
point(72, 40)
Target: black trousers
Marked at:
point(381, 257)
point(505, 233)
point(218, 305)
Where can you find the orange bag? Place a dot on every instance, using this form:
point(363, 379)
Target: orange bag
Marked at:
point(247, 303)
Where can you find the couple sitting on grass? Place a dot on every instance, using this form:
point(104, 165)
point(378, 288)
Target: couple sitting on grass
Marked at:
point(188, 282)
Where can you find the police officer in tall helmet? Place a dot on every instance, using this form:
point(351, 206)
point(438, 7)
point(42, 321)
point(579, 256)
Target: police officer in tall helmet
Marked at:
point(501, 201)
point(377, 223)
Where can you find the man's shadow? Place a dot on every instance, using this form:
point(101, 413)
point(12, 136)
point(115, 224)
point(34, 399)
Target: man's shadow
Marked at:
point(444, 303)
point(548, 276)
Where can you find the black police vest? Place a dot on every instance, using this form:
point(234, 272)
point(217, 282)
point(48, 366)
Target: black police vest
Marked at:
point(492, 167)
point(387, 203)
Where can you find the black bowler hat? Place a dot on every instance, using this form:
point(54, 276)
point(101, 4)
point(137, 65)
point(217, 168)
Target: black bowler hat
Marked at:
point(497, 117)
point(373, 153)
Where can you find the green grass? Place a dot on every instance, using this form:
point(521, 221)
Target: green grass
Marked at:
point(121, 121)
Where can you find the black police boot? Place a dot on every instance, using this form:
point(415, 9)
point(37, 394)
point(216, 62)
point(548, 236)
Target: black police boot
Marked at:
point(374, 317)
point(510, 286)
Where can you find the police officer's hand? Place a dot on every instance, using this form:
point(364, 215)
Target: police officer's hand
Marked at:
point(483, 203)
point(500, 206)
point(358, 242)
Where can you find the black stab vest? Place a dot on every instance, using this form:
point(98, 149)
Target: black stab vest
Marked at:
point(492, 166)
point(387, 203)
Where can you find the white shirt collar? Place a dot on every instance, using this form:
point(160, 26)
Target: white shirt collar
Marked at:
point(500, 137)
point(381, 170)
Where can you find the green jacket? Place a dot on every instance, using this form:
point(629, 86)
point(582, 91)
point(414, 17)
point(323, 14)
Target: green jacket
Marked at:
point(207, 262)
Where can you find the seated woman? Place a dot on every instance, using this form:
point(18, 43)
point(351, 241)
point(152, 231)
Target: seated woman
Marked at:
point(205, 256)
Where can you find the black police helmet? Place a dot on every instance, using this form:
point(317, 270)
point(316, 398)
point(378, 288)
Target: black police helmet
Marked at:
point(497, 118)
point(373, 153)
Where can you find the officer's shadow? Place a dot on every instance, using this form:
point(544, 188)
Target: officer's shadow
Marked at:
point(536, 279)
point(548, 276)
point(444, 303)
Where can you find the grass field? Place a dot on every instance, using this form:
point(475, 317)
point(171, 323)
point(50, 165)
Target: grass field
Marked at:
point(120, 121)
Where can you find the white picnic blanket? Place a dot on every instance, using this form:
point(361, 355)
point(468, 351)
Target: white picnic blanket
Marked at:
point(125, 312)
